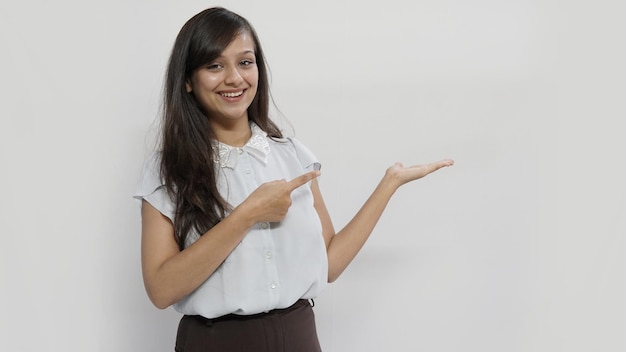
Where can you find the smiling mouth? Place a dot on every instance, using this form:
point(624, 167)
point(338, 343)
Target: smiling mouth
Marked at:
point(232, 94)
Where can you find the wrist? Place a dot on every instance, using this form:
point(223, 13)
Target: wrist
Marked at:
point(392, 179)
point(389, 183)
point(244, 215)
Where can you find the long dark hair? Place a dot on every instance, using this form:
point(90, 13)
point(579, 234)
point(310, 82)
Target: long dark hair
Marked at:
point(187, 161)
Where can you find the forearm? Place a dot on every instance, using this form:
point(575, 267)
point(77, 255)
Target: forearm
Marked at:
point(186, 270)
point(347, 243)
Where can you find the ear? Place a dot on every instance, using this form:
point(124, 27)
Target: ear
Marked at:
point(188, 86)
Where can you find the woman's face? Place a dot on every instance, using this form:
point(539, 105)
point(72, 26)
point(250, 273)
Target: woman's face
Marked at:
point(225, 87)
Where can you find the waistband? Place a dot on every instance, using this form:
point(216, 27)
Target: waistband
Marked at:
point(227, 317)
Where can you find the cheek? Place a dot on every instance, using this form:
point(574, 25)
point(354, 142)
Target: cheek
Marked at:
point(252, 77)
point(203, 82)
point(210, 83)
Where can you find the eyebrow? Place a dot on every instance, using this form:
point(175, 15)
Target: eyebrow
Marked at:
point(242, 53)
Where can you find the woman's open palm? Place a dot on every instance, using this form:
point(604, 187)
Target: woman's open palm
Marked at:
point(403, 174)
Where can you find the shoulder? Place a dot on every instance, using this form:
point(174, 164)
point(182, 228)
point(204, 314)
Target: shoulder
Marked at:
point(150, 179)
point(151, 187)
point(306, 157)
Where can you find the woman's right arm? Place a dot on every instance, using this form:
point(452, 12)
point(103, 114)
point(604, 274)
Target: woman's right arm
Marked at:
point(170, 274)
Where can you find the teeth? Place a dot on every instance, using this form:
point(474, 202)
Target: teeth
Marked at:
point(232, 95)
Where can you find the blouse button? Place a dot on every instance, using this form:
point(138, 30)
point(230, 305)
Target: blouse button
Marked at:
point(239, 150)
point(247, 171)
point(268, 255)
point(264, 225)
point(273, 286)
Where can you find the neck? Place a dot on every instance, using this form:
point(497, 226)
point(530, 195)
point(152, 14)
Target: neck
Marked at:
point(235, 134)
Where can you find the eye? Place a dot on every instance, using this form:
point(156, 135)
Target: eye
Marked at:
point(213, 67)
point(246, 62)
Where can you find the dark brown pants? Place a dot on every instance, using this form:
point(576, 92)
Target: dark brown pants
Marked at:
point(282, 330)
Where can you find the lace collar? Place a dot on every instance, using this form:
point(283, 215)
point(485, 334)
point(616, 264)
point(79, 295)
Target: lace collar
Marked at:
point(257, 146)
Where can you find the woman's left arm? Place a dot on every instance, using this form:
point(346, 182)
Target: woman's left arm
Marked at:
point(344, 245)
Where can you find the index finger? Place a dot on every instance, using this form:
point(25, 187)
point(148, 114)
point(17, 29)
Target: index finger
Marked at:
point(302, 179)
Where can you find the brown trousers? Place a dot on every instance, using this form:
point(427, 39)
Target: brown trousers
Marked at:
point(281, 330)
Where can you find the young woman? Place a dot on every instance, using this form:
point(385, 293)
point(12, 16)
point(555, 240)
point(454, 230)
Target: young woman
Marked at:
point(235, 233)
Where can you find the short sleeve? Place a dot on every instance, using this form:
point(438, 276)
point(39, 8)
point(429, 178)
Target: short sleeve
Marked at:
point(152, 189)
point(308, 160)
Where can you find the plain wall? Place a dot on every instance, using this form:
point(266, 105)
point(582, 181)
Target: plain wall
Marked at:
point(518, 247)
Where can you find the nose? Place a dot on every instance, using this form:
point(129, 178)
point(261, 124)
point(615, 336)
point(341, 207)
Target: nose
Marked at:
point(233, 77)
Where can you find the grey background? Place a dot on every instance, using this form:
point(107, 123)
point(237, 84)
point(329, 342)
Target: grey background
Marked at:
point(518, 247)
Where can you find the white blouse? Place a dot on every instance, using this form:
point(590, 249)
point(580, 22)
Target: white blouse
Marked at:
point(276, 263)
